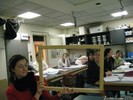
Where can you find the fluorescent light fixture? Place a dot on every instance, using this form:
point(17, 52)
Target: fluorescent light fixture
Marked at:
point(117, 14)
point(29, 15)
point(67, 24)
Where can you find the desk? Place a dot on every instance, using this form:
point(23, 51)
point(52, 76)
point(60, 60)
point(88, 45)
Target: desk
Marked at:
point(86, 97)
point(118, 86)
point(72, 71)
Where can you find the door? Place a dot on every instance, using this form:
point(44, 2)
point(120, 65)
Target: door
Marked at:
point(36, 44)
point(39, 41)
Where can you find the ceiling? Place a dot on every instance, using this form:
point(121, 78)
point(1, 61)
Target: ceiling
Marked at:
point(55, 12)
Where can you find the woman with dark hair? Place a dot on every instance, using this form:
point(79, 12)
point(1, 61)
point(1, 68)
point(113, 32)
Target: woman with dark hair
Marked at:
point(93, 71)
point(23, 84)
point(108, 66)
point(108, 61)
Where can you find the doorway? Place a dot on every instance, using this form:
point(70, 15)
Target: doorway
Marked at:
point(40, 41)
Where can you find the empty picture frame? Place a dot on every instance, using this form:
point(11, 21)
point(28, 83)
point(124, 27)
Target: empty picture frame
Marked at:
point(100, 89)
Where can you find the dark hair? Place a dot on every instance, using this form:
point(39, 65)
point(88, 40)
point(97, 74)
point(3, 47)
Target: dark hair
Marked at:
point(118, 51)
point(97, 50)
point(90, 52)
point(106, 51)
point(12, 63)
point(63, 56)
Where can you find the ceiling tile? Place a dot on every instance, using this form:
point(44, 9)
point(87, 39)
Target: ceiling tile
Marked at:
point(44, 10)
point(55, 14)
point(77, 2)
point(28, 6)
point(11, 3)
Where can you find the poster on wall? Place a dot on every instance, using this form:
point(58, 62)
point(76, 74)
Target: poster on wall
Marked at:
point(56, 53)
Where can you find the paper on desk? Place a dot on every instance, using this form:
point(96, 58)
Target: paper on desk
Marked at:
point(75, 66)
point(127, 79)
point(51, 71)
point(122, 67)
point(111, 78)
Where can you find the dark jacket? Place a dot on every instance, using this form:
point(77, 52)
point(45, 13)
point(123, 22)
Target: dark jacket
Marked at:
point(108, 64)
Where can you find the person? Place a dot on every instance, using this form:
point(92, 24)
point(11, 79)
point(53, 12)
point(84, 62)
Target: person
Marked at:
point(108, 67)
point(24, 85)
point(93, 71)
point(108, 61)
point(36, 65)
point(81, 60)
point(84, 59)
point(118, 60)
point(64, 61)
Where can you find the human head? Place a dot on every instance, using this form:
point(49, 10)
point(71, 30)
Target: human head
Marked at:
point(37, 58)
point(97, 56)
point(91, 54)
point(108, 52)
point(18, 67)
point(118, 53)
point(65, 55)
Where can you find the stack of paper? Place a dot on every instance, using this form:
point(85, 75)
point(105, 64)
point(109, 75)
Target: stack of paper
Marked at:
point(75, 66)
point(111, 79)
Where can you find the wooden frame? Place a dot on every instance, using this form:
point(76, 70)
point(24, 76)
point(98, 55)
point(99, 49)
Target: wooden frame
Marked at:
point(85, 90)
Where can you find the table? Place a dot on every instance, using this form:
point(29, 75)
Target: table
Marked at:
point(86, 97)
point(118, 86)
point(72, 71)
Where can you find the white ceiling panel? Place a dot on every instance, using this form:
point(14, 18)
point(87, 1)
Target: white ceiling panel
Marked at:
point(44, 10)
point(29, 6)
point(77, 2)
point(11, 3)
point(55, 12)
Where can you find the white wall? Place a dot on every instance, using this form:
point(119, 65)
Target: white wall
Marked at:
point(117, 23)
point(3, 71)
point(40, 30)
point(3, 66)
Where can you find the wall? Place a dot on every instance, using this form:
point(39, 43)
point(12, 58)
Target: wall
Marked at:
point(3, 71)
point(112, 25)
point(54, 36)
point(118, 23)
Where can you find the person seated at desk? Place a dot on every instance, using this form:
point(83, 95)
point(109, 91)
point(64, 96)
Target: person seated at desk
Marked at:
point(84, 59)
point(64, 61)
point(118, 60)
point(108, 66)
point(93, 71)
point(24, 86)
point(81, 60)
point(108, 61)
point(36, 65)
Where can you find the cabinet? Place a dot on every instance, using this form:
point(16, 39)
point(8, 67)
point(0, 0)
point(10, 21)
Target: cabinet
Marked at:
point(128, 35)
point(80, 39)
point(115, 37)
point(97, 38)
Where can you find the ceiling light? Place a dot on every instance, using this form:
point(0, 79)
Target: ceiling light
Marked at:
point(29, 15)
point(67, 24)
point(117, 14)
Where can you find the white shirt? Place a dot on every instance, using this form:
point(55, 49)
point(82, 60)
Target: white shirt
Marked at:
point(36, 65)
point(62, 64)
point(81, 60)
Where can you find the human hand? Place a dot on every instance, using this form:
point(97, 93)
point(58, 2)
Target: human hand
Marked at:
point(40, 88)
point(108, 73)
point(66, 90)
